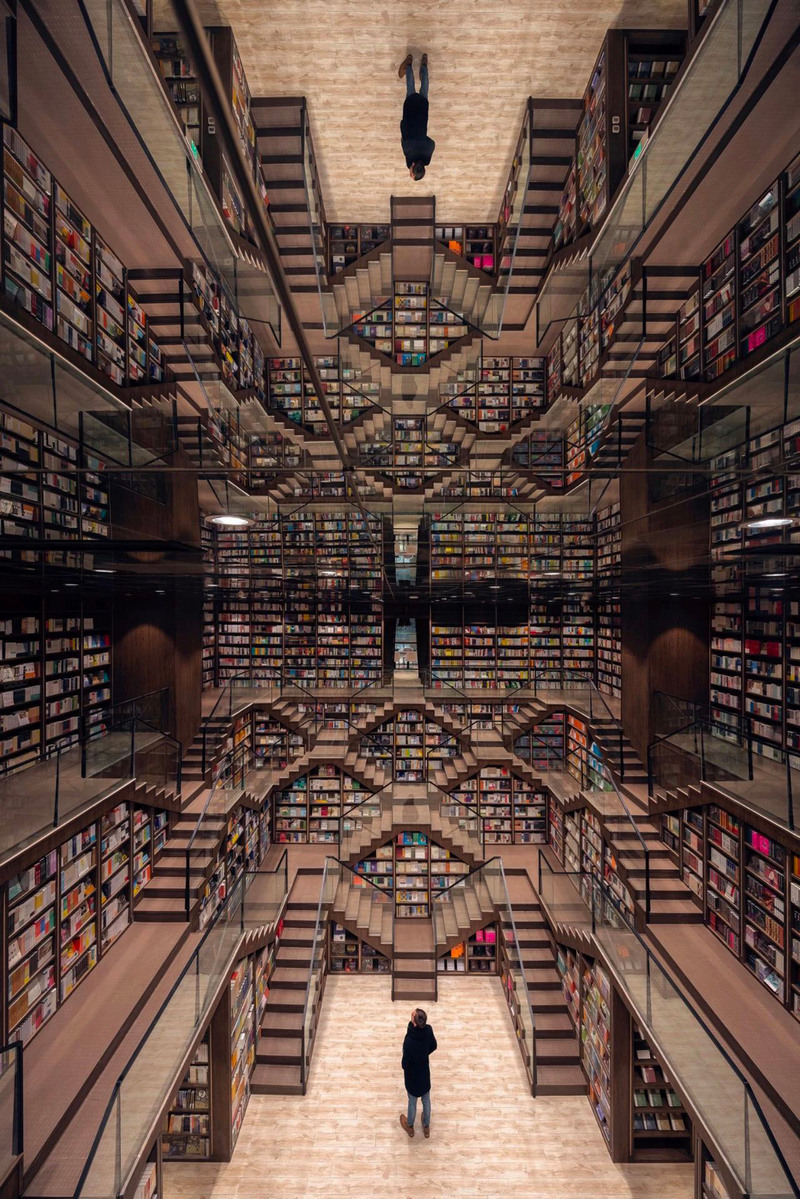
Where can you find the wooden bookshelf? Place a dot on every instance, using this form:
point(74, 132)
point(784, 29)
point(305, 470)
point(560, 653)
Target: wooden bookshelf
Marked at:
point(507, 391)
point(410, 746)
point(510, 810)
point(412, 877)
point(348, 243)
point(349, 954)
point(242, 1040)
point(661, 1126)
point(188, 1131)
point(476, 243)
point(309, 809)
point(596, 1043)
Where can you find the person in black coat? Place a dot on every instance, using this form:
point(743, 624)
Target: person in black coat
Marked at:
point(417, 146)
point(418, 1046)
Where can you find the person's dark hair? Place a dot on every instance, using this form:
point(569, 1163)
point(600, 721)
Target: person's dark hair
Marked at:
point(418, 170)
point(421, 1018)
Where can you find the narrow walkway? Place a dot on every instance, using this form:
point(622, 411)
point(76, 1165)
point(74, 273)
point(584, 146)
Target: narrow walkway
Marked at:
point(489, 1138)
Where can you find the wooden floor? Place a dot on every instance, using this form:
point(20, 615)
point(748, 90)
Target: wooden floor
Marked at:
point(485, 60)
point(489, 1138)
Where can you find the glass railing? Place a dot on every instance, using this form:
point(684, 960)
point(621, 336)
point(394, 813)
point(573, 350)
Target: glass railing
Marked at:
point(492, 876)
point(47, 794)
point(492, 321)
point(135, 80)
point(228, 788)
point(264, 897)
point(331, 877)
point(697, 1062)
point(11, 1111)
point(154, 1068)
point(722, 751)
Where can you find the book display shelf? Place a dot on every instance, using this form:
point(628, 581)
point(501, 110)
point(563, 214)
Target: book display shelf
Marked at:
point(596, 1041)
point(181, 84)
point(749, 288)
point(412, 878)
point(630, 79)
point(350, 955)
point(476, 243)
point(309, 809)
point(378, 867)
point(59, 269)
point(410, 746)
point(747, 884)
point(412, 327)
point(188, 1132)
point(542, 747)
point(275, 745)
point(511, 810)
point(609, 646)
point(68, 908)
point(482, 545)
point(348, 243)
point(242, 1040)
point(555, 827)
point(56, 680)
point(584, 758)
point(572, 842)
point(660, 1122)
point(148, 1185)
point(508, 390)
point(477, 955)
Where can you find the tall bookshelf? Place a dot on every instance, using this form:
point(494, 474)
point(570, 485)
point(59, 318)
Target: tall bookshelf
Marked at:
point(511, 810)
point(476, 243)
point(348, 243)
point(507, 391)
point(596, 1042)
point(188, 1131)
point(309, 809)
point(412, 877)
point(660, 1122)
point(61, 271)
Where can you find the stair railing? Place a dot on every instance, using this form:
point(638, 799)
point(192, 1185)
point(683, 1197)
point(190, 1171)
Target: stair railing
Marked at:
point(698, 1062)
point(566, 679)
point(318, 965)
point(467, 816)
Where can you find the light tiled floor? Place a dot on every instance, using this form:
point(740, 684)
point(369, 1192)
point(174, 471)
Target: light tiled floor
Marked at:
point(489, 1137)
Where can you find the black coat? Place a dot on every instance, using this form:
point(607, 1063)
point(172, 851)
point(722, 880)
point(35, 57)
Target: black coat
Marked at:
point(417, 146)
point(418, 1045)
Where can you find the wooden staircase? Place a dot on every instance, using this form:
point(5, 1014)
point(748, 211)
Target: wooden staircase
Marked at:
point(164, 897)
point(192, 765)
point(411, 807)
point(671, 901)
point(280, 1038)
point(558, 1069)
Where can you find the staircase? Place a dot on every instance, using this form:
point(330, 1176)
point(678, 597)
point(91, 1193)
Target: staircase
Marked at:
point(414, 962)
point(410, 807)
point(671, 901)
point(365, 911)
point(164, 897)
point(280, 1038)
point(558, 1069)
point(216, 732)
point(618, 753)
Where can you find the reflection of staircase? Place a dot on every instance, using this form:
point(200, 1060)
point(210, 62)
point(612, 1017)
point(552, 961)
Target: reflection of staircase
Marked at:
point(216, 732)
point(409, 807)
point(364, 911)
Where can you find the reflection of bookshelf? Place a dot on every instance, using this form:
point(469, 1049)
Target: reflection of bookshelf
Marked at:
point(242, 1041)
point(348, 243)
point(555, 827)
point(660, 1122)
point(509, 808)
point(476, 243)
point(188, 1132)
point(569, 968)
point(482, 951)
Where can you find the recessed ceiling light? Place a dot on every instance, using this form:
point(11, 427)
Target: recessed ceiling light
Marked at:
point(70, 584)
point(160, 592)
point(768, 522)
point(775, 574)
point(103, 570)
point(230, 522)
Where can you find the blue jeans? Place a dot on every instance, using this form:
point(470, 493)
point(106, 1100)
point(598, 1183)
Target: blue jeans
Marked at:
point(423, 81)
point(426, 1110)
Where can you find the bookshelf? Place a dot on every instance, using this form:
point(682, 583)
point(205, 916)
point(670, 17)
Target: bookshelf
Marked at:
point(412, 880)
point(348, 243)
point(511, 811)
point(584, 759)
point(309, 809)
point(630, 79)
point(410, 746)
point(59, 270)
point(188, 1131)
point(115, 870)
point(794, 932)
point(568, 964)
point(482, 951)
point(555, 827)
point(242, 1041)
point(379, 867)
point(476, 243)
point(759, 292)
point(32, 995)
point(660, 1122)
point(350, 955)
point(78, 891)
point(764, 925)
point(596, 1042)
point(508, 391)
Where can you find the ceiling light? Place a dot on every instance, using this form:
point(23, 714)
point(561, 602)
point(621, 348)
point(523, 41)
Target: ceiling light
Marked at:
point(768, 522)
point(230, 522)
point(160, 592)
point(103, 570)
point(70, 584)
point(775, 574)
point(495, 587)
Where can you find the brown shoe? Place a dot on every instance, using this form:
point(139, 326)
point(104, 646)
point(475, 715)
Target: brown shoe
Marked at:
point(426, 1130)
point(409, 1128)
point(407, 62)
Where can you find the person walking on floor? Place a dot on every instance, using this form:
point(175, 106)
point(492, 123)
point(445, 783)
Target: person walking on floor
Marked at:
point(417, 146)
point(418, 1046)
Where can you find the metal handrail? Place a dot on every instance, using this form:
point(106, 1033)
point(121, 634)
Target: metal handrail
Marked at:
point(216, 786)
